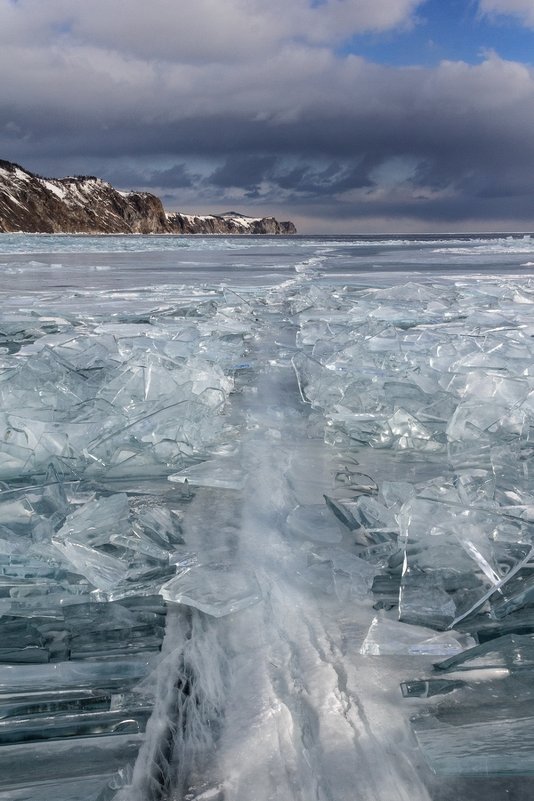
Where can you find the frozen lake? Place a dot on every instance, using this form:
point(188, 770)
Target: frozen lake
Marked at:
point(252, 491)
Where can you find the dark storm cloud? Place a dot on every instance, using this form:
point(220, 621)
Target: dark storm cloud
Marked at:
point(177, 176)
point(332, 179)
point(247, 172)
point(260, 111)
point(303, 179)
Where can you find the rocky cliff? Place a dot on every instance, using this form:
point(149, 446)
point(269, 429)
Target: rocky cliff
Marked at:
point(85, 204)
point(229, 223)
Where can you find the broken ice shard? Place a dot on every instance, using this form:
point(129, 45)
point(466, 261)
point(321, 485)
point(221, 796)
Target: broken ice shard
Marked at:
point(428, 688)
point(477, 741)
point(94, 523)
point(391, 637)
point(334, 571)
point(40, 766)
point(112, 397)
point(216, 473)
point(512, 652)
point(316, 523)
point(217, 588)
point(456, 559)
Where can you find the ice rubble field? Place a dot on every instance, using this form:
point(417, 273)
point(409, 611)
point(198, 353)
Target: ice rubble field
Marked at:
point(269, 541)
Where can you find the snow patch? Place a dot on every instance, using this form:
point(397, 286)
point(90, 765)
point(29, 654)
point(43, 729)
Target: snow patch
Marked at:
point(56, 188)
point(15, 173)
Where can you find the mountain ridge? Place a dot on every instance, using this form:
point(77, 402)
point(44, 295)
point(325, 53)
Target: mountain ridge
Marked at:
point(86, 204)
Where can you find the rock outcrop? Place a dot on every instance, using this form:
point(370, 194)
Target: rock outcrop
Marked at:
point(85, 204)
point(229, 223)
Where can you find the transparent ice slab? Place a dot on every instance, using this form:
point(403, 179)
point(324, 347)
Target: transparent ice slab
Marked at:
point(456, 559)
point(511, 652)
point(20, 704)
point(217, 473)
point(470, 743)
point(105, 674)
point(386, 637)
point(40, 763)
point(336, 572)
point(59, 725)
point(429, 688)
point(316, 523)
point(217, 588)
point(103, 394)
point(96, 522)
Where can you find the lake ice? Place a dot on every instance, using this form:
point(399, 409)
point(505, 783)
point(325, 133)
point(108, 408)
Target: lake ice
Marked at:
point(266, 518)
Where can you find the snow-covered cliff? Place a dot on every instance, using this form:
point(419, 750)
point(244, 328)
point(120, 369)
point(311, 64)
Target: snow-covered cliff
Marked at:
point(229, 223)
point(85, 204)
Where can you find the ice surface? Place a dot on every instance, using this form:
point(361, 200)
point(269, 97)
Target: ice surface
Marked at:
point(438, 382)
point(468, 746)
point(316, 523)
point(111, 398)
point(335, 439)
point(457, 558)
point(512, 651)
point(217, 588)
point(68, 664)
point(391, 637)
point(44, 765)
point(221, 474)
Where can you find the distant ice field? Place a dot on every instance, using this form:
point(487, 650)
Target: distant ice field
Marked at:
point(110, 262)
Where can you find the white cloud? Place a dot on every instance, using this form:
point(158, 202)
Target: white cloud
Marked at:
point(199, 31)
point(524, 9)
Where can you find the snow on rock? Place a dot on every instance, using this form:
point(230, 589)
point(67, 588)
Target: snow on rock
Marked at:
point(85, 204)
point(228, 223)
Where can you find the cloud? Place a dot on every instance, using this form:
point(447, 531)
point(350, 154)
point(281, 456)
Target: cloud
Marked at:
point(245, 171)
point(178, 177)
point(199, 32)
point(523, 9)
point(262, 110)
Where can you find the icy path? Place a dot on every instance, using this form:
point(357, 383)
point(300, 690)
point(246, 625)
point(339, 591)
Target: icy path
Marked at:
point(302, 716)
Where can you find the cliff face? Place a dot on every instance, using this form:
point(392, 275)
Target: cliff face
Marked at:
point(89, 205)
point(74, 205)
point(229, 223)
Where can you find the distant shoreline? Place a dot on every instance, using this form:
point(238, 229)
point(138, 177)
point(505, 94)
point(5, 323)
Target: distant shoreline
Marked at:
point(87, 205)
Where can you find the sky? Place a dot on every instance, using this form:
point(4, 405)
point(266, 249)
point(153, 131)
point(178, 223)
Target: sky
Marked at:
point(345, 116)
